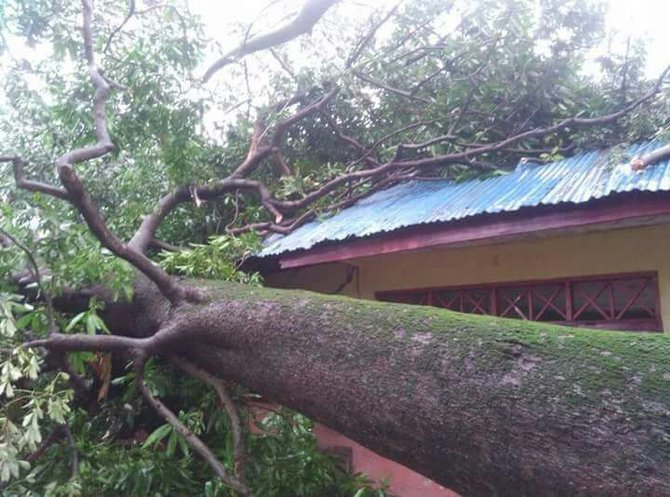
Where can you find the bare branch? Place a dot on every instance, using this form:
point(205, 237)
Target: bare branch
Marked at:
point(74, 453)
point(350, 141)
point(161, 245)
point(256, 153)
point(428, 143)
point(304, 21)
point(282, 63)
point(279, 161)
point(92, 343)
point(146, 232)
point(282, 126)
point(399, 131)
point(102, 88)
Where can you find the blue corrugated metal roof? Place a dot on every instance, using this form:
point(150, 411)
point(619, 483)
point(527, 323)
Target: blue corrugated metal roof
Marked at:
point(578, 179)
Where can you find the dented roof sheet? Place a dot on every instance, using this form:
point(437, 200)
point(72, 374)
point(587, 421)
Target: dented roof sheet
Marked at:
point(578, 179)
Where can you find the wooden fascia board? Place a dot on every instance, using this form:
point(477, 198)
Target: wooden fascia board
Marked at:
point(536, 220)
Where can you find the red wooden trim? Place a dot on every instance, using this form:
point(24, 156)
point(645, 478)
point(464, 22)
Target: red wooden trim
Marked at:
point(494, 301)
point(568, 301)
point(628, 206)
point(610, 320)
point(659, 309)
point(632, 299)
point(542, 281)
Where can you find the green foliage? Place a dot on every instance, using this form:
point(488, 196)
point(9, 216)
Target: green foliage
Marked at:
point(220, 259)
point(126, 450)
point(88, 321)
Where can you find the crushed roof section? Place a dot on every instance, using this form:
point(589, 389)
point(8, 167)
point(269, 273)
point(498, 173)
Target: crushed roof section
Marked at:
point(587, 176)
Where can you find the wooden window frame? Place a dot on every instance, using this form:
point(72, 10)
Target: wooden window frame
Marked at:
point(499, 303)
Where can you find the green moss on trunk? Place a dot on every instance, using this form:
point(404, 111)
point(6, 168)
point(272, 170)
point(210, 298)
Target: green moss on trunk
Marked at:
point(483, 405)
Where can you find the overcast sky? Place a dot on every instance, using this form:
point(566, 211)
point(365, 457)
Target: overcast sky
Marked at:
point(646, 19)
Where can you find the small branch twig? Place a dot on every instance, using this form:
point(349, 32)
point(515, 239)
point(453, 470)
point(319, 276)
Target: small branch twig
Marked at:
point(59, 432)
point(131, 12)
point(74, 453)
point(358, 50)
point(391, 89)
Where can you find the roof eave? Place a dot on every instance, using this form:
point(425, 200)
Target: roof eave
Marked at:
point(629, 209)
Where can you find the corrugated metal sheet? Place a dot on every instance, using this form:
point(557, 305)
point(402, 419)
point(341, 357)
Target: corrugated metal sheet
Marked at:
point(590, 175)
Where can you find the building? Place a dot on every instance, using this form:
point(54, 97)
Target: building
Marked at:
point(583, 241)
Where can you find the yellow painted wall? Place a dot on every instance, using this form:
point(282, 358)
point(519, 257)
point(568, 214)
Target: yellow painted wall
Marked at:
point(614, 251)
point(322, 278)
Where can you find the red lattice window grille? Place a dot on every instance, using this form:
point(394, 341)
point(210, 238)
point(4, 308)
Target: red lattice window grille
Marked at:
point(624, 301)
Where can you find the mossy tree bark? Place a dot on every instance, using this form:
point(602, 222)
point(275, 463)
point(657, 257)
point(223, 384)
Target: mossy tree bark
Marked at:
point(482, 405)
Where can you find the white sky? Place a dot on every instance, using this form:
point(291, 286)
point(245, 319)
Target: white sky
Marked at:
point(646, 19)
point(226, 20)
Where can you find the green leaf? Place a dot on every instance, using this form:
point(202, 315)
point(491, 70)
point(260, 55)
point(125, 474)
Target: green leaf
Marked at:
point(75, 320)
point(157, 435)
point(172, 443)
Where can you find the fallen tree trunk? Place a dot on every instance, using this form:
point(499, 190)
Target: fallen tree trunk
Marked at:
point(482, 405)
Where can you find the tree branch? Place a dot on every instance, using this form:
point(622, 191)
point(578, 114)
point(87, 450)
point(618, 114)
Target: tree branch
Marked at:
point(131, 12)
point(358, 50)
point(191, 439)
point(80, 198)
point(227, 403)
point(34, 268)
point(93, 343)
point(34, 186)
point(102, 88)
point(304, 21)
point(288, 206)
point(146, 232)
point(639, 163)
point(391, 89)
point(74, 453)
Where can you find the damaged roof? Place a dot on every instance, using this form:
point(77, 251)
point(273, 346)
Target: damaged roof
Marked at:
point(576, 180)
